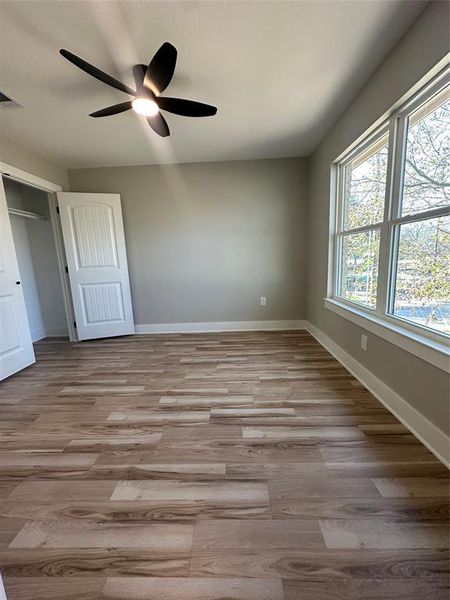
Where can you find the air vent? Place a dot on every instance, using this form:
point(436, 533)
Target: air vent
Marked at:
point(7, 102)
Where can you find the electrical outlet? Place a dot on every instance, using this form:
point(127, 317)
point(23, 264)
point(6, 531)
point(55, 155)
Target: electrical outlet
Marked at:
point(263, 301)
point(364, 342)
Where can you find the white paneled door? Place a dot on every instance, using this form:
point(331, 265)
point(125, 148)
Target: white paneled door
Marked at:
point(16, 347)
point(94, 240)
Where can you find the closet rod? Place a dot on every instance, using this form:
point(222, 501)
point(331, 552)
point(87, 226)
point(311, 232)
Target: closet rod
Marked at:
point(26, 213)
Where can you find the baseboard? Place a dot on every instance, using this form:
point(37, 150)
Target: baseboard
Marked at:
point(211, 327)
point(57, 332)
point(423, 429)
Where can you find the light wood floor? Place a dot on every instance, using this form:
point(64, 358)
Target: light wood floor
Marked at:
point(246, 466)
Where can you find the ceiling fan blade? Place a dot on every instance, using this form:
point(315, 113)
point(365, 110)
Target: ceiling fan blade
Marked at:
point(187, 108)
point(161, 68)
point(112, 110)
point(139, 72)
point(97, 73)
point(159, 125)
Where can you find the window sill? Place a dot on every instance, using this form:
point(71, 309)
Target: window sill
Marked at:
point(435, 352)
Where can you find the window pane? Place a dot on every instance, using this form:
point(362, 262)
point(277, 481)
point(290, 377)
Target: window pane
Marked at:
point(365, 186)
point(422, 287)
point(427, 168)
point(359, 267)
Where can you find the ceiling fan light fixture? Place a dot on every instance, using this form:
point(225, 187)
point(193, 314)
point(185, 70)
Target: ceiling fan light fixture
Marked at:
point(157, 75)
point(145, 106)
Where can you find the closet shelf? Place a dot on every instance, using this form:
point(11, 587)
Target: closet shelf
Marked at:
point(26, 213)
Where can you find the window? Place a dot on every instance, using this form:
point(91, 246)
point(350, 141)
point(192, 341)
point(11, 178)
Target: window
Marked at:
point(392, 237)
point(422, 282)
point(427, 161)
point(364, 190)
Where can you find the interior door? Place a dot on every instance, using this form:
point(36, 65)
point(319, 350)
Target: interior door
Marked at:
point(16, 347)
point(94, 240)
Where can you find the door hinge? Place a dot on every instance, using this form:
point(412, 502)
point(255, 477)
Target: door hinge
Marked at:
point(57, 210)
point(66, 269)
point(75, 324)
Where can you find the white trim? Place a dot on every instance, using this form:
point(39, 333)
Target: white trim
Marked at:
point(12, 172)
point(433, 352)
point(50, 332)
point(424, 430)
point(433, 213)
point(53, 332)
point(219, 326)
point(18, 175)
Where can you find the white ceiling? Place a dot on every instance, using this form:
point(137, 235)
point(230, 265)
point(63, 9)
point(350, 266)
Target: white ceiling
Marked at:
point(279, 72)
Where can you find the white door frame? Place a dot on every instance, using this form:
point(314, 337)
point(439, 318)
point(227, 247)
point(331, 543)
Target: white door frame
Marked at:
point(11, 172)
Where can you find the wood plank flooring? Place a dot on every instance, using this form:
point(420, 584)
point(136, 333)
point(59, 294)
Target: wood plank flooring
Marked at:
point(238, 466)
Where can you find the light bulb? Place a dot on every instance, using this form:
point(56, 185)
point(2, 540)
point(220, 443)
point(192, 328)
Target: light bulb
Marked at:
point(145, 106)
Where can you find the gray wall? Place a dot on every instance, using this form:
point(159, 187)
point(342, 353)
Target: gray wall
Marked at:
point(421, 384)
point(205, 241)
point(18, 156)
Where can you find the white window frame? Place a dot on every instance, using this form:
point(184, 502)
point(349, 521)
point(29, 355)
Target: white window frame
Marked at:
point(429, 345)
point(340, 231)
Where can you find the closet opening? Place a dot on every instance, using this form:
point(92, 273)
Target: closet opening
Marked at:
point(32, 213)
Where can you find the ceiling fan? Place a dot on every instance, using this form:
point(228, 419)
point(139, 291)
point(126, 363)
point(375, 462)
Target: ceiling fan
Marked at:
point(150, 82)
